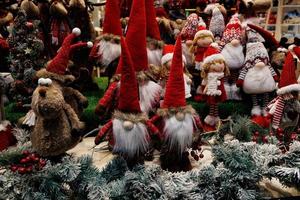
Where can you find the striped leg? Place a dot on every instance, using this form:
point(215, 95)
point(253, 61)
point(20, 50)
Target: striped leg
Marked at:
point(255, 107)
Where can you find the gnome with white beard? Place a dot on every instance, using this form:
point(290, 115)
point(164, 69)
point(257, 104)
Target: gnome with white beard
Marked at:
point(233, 55)
point(179, 123)
point(257, 77)
point(129, 129)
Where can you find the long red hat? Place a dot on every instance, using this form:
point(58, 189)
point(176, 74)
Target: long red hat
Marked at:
point(152, 25)
point(59, 63)
point(112, 24)
point(136, 35)
point(129, 97)
point(269, 38)
point(175, 91)
point(288, 80)
point(296, 50)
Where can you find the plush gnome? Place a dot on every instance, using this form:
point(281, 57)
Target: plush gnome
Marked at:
point(233, 54)
point(56, 70)
point(107, 50)
point(129, 129)
point(154, 42)
point(166, 63)
point(213, 73)
point(217, 24)
point(60, 26)
point(178, 122)
point(257, 77)
point(285, 108)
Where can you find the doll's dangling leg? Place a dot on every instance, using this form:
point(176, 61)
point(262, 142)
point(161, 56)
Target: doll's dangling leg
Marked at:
point(211, 118)
point(216, 113)
point(256, 110)
point(265, 102)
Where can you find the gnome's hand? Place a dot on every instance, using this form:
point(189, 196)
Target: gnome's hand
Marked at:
point(54, 40)
point(240, 83)
point(276, 78)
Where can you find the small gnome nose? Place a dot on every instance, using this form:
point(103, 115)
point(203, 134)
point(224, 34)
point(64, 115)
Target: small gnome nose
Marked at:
point(179, 116)
point(42, 92)
point(128, 125)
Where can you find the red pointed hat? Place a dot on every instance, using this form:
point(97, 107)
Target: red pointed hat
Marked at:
point(168, 52)
point(112, 24)
point(60, 62)
point(288, 81)
point(152, 25)
point(129, 97)
point(175, 91)
point(212, 53)
point(136, 35)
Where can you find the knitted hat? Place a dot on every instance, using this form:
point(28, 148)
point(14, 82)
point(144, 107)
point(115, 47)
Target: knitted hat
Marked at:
point(268, 37)
point(212, 53)
point(175, 91)
point(168, 52)
point(190, 28)
point(233, 30)
point(129, 97)
point(60, 62)
point(136, 35)
point(253, 35)
point(288, 81)
point(202, 31)
point(255, 53)
point(152, 25)
point(112, 24)
point(217, 23)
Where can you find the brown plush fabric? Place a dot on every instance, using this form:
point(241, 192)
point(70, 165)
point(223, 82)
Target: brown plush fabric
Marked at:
point(56, 120)
point(168, 112)
point(135, 118)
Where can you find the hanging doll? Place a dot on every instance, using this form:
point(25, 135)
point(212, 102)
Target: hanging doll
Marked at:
point(217, 24)
point(179, 123)
point(257, 77)
point(213, 73)
point(129, 129)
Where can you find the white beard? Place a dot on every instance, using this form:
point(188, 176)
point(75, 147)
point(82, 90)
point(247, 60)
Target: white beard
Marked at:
point(154, 56)
point(149, 94)
point(108, 52)
point(234, 56)
point(179, 134)
point(130, 143)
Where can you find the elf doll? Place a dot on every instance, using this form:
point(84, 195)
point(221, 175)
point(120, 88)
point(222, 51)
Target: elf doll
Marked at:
point(129, 129)
point(179, 123)
point(213, 73)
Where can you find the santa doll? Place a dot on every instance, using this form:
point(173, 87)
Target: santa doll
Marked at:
point(217, 24)
point(166, 63)
point(257, 77)
point(213, 72)
point(179, 123)
point(129, 129)
point(233, 54)
point(284, 110)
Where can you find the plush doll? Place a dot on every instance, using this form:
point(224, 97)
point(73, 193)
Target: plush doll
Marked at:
point(166, 63)
point(179, 123)
point(57, 125)
point(217, 24)
point(56, 70)
point(213, 73)
point(6, 18)
point(59, 23)
point(233, 53)
point(31, 9)
point(129, 130)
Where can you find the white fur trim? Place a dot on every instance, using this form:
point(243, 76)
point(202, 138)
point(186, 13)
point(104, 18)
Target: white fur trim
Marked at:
point(291, 47)
point(256, 110)
point(204, 32)
point(76, 31)
point(213, 57)
point(89, 44)
point(289, 88)
point(202, 24)
point(3, 125)
point(167, 57)
point(149, 93)
point(210, 120)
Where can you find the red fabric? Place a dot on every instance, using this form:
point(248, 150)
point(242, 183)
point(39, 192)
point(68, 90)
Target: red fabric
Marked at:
point(60, 62)
point(103, 132)
point(168, 48)
point(136, 35)
point(94, 52)
point(297, 51)
point(160, 12)
point(269, 38)
point(112, 24)
point(60, 29)
point(76, 46)
point(212, 100)
point(110, 95)
point(210, 51)
point(129, 97)
point(197, 122)
point(175, 92)
point(3, 44)
point(239, 83)
point(288, 75)
point(152, 29)
point(199, 54)
point(153, 129)
point(6, 138)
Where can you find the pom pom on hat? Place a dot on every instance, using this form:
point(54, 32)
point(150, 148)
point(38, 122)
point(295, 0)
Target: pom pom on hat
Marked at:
point(89, 44)
point(76, 31)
